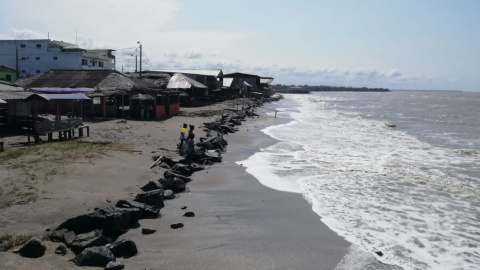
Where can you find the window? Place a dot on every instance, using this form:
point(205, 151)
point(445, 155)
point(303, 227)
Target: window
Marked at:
point(38, 71)
point(8, 77)
point(23, 58)
point(23, 71)
point(22, 45)
point(100, 64)
point(55, 58)
point(38, 58)
point(39, 45)
point(84, 62)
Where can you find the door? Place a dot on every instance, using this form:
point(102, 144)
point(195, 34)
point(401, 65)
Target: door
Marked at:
point(8, 77)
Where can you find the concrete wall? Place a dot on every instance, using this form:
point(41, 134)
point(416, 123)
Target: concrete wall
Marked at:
point(33, 59)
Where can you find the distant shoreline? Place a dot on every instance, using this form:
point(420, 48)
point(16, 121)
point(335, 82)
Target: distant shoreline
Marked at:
point(443, 91)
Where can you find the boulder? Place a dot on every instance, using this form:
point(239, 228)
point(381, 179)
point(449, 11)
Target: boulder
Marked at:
point(111, 220)
point(68, 237)
point(123, 248)
point(148, 231)
point(182, 169)
point(5, 246)
point(114, 266)
point(197, 167)
point(147, 211)
point(94, 257)
point(213, 156)
point(152, 185)
point(189, 214)
point(33, 248)
point(171, 161)
point(61, 250)
point(172, 174)
point(176, 185)
point(184, 207)
point(153, 198)
point(58, 235)
point(176, 226)
point(168, 195)
point(85, 240)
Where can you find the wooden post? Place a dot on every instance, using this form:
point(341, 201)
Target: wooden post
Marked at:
point(115, 102)
point(35, 111)
point(155, 106)
point(81, 109)
point(104, 107)
point(57, 117)
point(123, 106)
point(130, 105)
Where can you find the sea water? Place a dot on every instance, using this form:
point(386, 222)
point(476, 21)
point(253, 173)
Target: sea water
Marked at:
point(411, 191)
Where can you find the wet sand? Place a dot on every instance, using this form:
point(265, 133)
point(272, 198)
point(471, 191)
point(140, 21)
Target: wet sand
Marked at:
point(239, 223)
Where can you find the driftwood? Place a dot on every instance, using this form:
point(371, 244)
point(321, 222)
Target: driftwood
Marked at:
point(156, 162)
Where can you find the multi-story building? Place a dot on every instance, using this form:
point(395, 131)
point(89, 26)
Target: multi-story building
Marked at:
point(41, 55)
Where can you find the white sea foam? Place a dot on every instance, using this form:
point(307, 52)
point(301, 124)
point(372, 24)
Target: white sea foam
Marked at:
point(378, 187)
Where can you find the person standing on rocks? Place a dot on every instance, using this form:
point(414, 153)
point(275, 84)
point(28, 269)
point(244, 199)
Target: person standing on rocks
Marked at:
point(182, 137)
point(190, 148)
point(190, 132)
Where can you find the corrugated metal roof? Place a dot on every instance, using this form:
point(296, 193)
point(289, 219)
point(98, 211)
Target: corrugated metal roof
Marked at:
point(227, 82)
point(4, 86)
point(180, 81)
point(62, 89)
point(2, 101)
point(205, 72)
point(71, 78)
point(45, 97)
point(142, 97)
point(10, 95)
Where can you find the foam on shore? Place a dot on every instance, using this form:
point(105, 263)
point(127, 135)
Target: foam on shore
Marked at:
point(379, 188)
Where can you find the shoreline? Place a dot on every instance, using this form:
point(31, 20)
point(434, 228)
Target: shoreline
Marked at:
point(239, 223)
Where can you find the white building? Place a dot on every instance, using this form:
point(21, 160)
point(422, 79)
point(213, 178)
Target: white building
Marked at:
point(41, 55)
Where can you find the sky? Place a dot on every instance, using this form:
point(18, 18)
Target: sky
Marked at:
point(408, 44)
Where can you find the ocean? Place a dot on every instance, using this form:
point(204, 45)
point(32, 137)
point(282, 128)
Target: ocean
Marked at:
point(410, 192)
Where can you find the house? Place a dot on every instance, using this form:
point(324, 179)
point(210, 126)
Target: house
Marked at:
point(13, 96)
point(41, 55)
point(7, 74)
point(189, 86)
point(212, 78)
point(110, 90)
point(259, 84)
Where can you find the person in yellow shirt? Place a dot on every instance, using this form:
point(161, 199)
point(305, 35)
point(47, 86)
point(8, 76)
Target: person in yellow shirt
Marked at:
point(182, 137)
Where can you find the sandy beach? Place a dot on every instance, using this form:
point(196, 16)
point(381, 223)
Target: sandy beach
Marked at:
point(238, 223)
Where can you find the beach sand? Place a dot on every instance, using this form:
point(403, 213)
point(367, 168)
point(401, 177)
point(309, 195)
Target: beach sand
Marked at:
point(239, 223)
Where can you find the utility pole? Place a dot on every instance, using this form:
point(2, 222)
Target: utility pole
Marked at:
point(135, 63)
point(140, 59)
point(122, 68)
point(16, 59)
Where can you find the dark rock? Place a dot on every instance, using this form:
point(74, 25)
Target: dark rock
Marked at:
point(86, 240)
point(61, 250)
point(155, 158)
point(165, 166)
point(189, 214)
point(47, 230)
point(123, 248)
point(152, 185)
point(176, 226)
point(176, 185)
point(33, 248)
point(103, 219)
point(153, 198)
point(171, 161)
point(148, 231)
point(172, 174)
point(182, 169)
point(390, 125)
point(69, 237)
point(5, 246)
point(94, 257)
point(57, 236)
point(213, 156)
point(114, 266)
point(379, 253)
point(184, 207)
point(147, 211)
point(168, 194)
point(197, 167)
